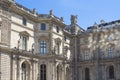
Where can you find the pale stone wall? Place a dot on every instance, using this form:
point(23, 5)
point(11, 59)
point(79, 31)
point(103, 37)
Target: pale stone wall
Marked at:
point(17, 27)
point(5, 66)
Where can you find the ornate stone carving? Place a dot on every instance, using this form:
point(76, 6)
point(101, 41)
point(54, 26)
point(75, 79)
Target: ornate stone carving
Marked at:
point(58, 40)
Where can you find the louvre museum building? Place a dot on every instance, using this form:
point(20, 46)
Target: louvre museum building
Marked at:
point(37, 46)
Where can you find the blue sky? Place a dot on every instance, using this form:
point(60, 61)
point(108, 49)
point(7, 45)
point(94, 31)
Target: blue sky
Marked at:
point(88, 11)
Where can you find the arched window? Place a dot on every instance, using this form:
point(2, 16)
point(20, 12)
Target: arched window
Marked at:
point(43, 72)
point(25, 74)
point(43, 26)
point(43, 47)
point(24, 71)
point(87, 74)
point(111, 72)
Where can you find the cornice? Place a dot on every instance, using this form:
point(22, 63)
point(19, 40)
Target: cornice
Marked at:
point(19, 32)
point(22, 26)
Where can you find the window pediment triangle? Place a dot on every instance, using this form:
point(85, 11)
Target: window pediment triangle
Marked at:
point(58, 40)
point(24, 33)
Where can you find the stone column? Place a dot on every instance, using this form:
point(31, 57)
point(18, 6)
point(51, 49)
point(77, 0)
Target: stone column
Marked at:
point(53, 71)
point(11, 67)
point(80, 74)
point(18, 68)
point(63, 73)
point(118, 72)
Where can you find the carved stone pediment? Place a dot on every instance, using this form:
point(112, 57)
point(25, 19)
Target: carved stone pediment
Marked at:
point(65, 50)
point(58, 40)
point(24, 33)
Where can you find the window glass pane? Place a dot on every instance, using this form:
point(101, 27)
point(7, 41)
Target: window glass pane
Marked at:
point(86, 56)
point(110, 51)
point(43, 72)
point(24, 21)
point(57, 48)
point(57, 29)
point(43, 26)
point(111, 72)
point(43, 49)
point(87, 74)
point(24, 43)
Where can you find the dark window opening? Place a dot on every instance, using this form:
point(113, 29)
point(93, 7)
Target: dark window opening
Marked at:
point(24, 22)
point(43, 26)
point(43, 72)
point(111, 72)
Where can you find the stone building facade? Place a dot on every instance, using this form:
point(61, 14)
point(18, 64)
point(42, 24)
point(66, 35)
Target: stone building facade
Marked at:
point(42, 47)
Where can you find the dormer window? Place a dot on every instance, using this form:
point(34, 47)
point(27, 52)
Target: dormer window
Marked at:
point(57, 29)
point(43, 26)
point(24, 22)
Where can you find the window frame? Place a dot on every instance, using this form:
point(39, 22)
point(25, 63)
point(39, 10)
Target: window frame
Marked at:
point(43, 26)
point(111, 72)
point(57, 29)
point(110, 52)
point(43, 72)
point(24, 21)
point(43, 47)
point(58, 48)
point(24, 43)
point(86, 55)
point(24, 71)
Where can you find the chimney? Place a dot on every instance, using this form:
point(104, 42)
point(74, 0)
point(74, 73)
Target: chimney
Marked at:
point(51, 13)
point(73, 19)
point(34, 11)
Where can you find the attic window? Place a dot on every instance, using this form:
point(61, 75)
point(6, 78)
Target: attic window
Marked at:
point(24, 22)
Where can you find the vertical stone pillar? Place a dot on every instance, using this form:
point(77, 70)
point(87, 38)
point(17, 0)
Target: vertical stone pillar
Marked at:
point(118, 72)
point(63, 73)
point(11, 67)
point(18, 68)
point(53, 71)
point(80, 74)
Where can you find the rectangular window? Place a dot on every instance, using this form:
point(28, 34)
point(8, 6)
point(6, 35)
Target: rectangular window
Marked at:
point(57, 48)
point(43, 72)
point(110, 52)
point(24, 43)
point(24, 22)
point(57, 29)
point(86, 56)
point(43, 26)
point(43, 47)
